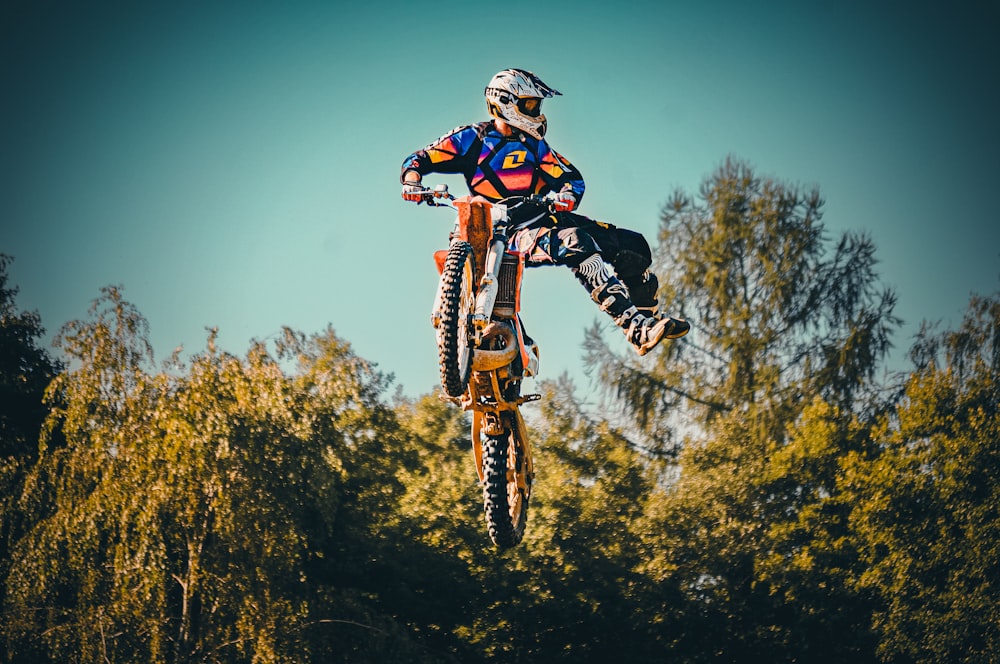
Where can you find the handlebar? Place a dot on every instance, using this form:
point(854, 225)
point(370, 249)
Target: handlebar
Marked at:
point(530, 199)
point(432, 196)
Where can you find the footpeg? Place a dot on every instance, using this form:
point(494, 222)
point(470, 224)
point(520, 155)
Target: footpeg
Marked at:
point(492, 425)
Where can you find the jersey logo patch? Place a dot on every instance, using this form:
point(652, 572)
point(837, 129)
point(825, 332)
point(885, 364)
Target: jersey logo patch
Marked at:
point(514, 159)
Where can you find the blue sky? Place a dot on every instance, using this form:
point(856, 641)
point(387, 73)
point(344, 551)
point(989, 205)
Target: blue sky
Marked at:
point(235, 165)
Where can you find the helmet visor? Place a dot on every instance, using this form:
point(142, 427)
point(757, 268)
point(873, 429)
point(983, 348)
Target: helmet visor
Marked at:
point(530, 106)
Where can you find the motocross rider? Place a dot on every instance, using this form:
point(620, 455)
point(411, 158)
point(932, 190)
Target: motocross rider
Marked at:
point(508, 156)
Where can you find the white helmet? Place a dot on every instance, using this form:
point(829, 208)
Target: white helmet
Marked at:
point(515, 96)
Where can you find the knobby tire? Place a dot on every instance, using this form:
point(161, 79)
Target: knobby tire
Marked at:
point(454, 353)
point(505, 505)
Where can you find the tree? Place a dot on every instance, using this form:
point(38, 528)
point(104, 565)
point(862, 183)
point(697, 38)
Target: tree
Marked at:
point(219, 512)
point(926, 501)
point(753, 539)
point(439, 575)
point(25, 372)
point(770, 390)
point(56, 590)
point(777, 318)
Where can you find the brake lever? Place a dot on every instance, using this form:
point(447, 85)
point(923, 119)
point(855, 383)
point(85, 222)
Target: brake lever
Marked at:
point(439, 191)
point(532, 199)
point(433, 202)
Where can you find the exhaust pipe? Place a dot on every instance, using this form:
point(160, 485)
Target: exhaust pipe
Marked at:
point(489, 360)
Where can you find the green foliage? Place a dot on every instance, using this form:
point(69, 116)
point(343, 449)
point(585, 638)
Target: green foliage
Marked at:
point(767, 390)
point(927, 504)
point(276, 508)
point(209, 515)
point(753, 538)
point(25, 372)
point(777, 317)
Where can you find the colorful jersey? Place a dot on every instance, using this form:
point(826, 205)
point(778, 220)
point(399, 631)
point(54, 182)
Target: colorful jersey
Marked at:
point(497, 166)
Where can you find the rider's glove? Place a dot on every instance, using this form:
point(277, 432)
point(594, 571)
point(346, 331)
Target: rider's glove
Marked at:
point(562, 201)
point(414, 191)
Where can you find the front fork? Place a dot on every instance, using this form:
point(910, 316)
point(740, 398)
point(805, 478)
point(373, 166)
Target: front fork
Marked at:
point(487, 294)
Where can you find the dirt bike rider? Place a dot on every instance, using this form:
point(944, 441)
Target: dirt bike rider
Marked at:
point(508, 156)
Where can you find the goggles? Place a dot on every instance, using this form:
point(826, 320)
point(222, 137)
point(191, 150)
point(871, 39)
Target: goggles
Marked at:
point(529, 106)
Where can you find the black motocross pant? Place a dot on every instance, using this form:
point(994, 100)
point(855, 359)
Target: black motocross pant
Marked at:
point(565, 238)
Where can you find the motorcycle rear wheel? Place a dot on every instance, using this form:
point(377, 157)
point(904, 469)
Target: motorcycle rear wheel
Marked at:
point(506, 486)
point(457, 303)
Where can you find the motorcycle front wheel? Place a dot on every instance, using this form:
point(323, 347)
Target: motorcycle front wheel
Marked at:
point(457, 303)
point(506, 485)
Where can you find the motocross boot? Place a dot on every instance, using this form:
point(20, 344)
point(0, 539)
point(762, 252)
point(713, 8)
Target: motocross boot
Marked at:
point(642, 291)
point(644, 328)
point(643, 331)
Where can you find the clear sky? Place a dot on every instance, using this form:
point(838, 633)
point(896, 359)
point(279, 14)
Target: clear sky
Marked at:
point(235, 165)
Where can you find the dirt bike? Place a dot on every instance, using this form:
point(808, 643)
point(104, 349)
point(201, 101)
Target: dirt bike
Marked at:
point(484, 352)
